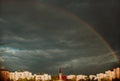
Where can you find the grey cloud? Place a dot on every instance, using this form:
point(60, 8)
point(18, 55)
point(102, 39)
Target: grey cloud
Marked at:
point(41, 38)
point(3, 21)
point(1, 59)
point(36, 57)
point(18, 38)
point(93, 60)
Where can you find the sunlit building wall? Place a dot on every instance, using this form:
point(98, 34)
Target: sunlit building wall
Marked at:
point(79, 77)
point(20, 75)
point(117, 73)
point(101, 76)
point(43, 77)
point(71, 77)
point(27, 74)
point(110, 75)
point(4, 74)
point(92, 77)
point(12, 75)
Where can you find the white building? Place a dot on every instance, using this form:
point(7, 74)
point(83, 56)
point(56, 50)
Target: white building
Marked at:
point(71, 77)
point(79, 77)
point(20, 75)
point(110, 75)
point(117, 73)
point(43, 77)
point(92, 77)
point(101, 76)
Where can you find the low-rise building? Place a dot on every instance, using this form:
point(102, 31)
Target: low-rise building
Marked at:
point(110, 75)
point(4, 75)
point(81, 77)
point(20, 75)
point(71, 77)
point(43, 77)
point(92, 77)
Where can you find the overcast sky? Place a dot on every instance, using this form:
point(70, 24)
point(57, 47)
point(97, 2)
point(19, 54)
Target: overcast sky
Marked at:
point(42, 36)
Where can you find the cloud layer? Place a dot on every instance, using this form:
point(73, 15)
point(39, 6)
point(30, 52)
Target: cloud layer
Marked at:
point(43, 39)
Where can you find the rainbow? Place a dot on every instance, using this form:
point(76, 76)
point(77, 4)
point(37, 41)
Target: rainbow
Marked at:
point(73, 16)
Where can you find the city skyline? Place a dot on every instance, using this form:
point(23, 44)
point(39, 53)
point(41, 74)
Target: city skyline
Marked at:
point(60, 70)
point(109, 75)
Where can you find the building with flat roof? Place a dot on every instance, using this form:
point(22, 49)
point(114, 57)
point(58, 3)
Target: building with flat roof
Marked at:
point(4, 75)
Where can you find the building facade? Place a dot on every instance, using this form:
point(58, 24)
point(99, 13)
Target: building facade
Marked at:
point(4, 75)
point(20, 75)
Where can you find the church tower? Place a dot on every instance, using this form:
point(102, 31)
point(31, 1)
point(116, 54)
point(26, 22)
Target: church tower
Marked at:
point(60, 74)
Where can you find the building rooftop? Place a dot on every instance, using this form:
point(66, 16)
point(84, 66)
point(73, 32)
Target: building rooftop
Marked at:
point(3, 70)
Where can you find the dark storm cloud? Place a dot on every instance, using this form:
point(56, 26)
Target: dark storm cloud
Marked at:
point(103, 15)
point(46, 59)
point(36, 36)
point(1, 51)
